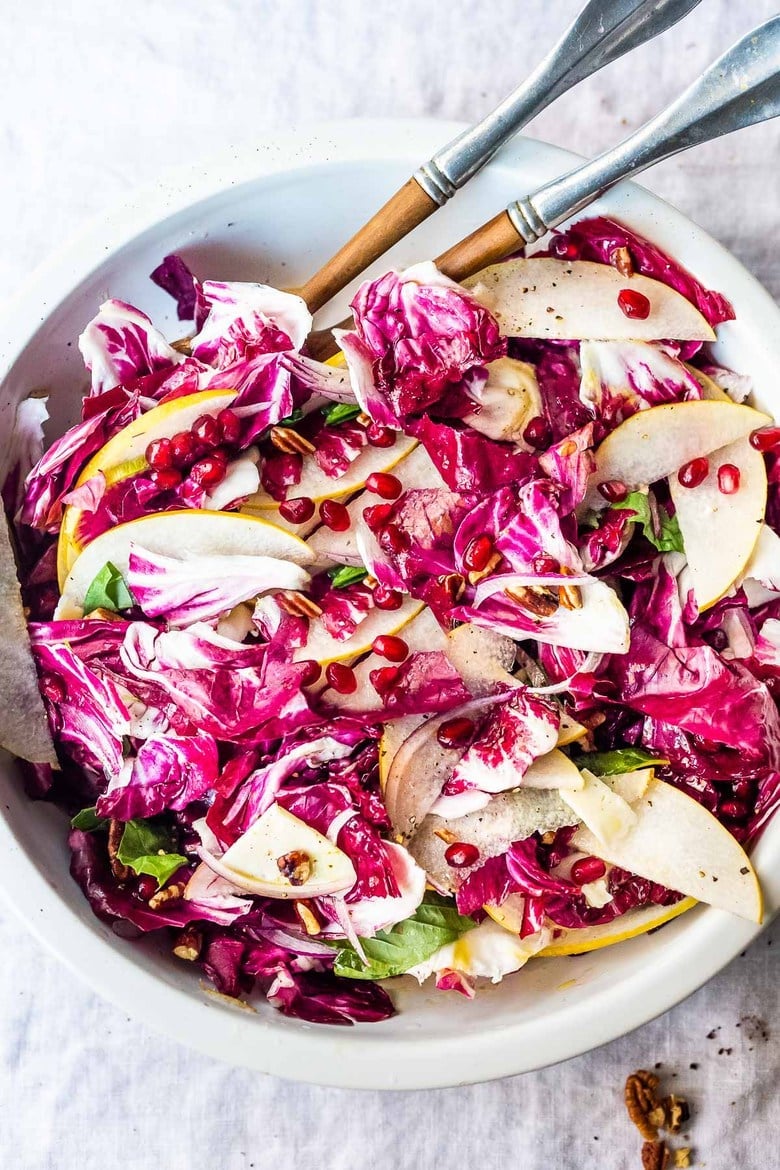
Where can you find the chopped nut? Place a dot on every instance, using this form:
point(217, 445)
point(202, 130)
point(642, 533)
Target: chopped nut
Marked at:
point(454, 583)
point(570, 596)
point(621, 258)
point(640, 1102)
point(535, 598)
point(657, 1117)
point(188, 944)
point(445, 835)
point(548, 838)
point(682, 1158)
point(677, 1113)
point(115, 831)
point(364, 419)
point(295, 866)
point(289, 441)
point(307, 918)
point(477, 575)
point(170, 894)
point(655, 1156)
point(369, 581)
point(183, 345)
point(298, 604)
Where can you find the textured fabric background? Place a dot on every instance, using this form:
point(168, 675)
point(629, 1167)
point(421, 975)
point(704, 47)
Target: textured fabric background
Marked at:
point(96, 98)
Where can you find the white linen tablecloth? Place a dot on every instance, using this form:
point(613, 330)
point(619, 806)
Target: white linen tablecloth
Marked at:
point(97, 98)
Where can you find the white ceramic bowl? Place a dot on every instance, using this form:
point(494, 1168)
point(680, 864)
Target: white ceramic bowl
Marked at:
point(274, 214)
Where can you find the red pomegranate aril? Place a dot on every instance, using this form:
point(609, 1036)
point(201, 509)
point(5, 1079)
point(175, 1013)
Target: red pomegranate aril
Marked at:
point(341, 678)
point(382, 484)
point(728, 479)
point(456, 733)
point(384, 679)
point(544, 563)
point(53, 688)
point(159, 454)
point(388, 646)
point(566, 250)
point(229, 425)
point(613, 491)
point(393, 539)
point(692, 474)
point(387, 598)
point(183, 449)
point(734, 810)
point(380, 436)
point(377, 516)
point(478, 553)
point(743, 787)
point(206, 431)
point(167, 479)
point(537, 433)
point(147, 887)
point(764, 439)
point(208, 471)
point(334, 515)
point(297, 510)
point(460, 854)
point(587, 869)
point(311, 673)
point(633, 304)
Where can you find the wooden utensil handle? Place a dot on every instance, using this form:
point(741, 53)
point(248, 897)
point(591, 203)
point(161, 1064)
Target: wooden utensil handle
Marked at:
point(487, 244)
point(403, 211)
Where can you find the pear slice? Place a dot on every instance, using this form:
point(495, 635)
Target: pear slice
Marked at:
point(657, 442)
point(508, 401)
point(260, 860)
point(417, 774)
point(603, 810)
point(481, 657)
point(577, 300)
point(394, 732)
point(570, 730)
point(196, 532)
point(679, 844)
point(720, 532)
point(553, 770)
point(324, 648)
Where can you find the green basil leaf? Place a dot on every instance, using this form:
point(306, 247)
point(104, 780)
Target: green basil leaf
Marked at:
point(617, 761)
point(669, 538)
point(434, 924)
point(341, 412)
point(146, 846)
point(108, 591)
point(291, 419)
point(344, 575)
point(88, 821)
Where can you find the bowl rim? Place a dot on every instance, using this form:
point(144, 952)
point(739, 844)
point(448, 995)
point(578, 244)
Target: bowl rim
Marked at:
point(364, 1055)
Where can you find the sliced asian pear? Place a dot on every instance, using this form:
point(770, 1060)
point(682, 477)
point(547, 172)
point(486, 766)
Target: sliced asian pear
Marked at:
point(577, 300)
point(124, 455)
point(761, 578)
point(394, 732)
point(507, 402)
point(481, 657)
point(415, 470)
point(280, 856)
point(630, 786)
point(570, 730)
point(324, 648)
point(605, 813)
point(676, 842)
point(417, 774)
point(318, 486)
point(709, 387)
point(657, 442)
point(578, 941)
point(192, 531)
point(720, 530)
point(553, 770)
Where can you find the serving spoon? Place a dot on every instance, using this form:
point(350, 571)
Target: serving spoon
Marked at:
point(740, 89)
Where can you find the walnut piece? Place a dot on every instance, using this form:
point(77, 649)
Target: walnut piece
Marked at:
point(295, 866)
point(641, 1101)
point(655, 1156)
point(188, 944)
point(289, 441)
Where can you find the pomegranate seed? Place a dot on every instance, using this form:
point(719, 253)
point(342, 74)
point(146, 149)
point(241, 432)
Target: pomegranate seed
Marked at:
point(298, 510)
point(764, 439)
point(384, 485)
point(311, 673)
point(147, 887)
point(388, 646)
point(456, 733)
point(728, 479)
point(537, 433)
point(734, 810)
point(544, 563)
point(167, 479)
point(380, 436)
point(613, 491)
point(692, 474)
point(383, 680)
point(53, 688)
point(587, 869)
point(743, 787)
point(377, 516)
point(229, 425)
point(387, 598)
point(633, 304)
point(460, 854)
point(208, 471)
point(334, 516)
point(206, 431)
point(183, 449)
point(393, 539)
point(565, 249)
point(341, 678)
point(159, 454)
point(478, 553)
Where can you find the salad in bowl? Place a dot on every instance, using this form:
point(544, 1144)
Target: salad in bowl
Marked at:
point(458, 649)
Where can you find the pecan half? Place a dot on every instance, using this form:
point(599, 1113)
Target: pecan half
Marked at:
point(655, 1156)
point(641, 1100)
point(621, 259)
point(172, 893)
point(298, 604)
point(535, 598)
point(288, 440)
point(115, 831)
point(188, 944)
point(295, 866)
